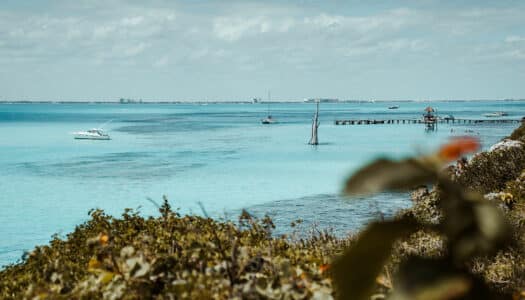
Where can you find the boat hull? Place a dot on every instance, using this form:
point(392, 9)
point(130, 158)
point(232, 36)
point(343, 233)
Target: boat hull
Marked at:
point(496, 114)
point(86, 137)
point(268, 121)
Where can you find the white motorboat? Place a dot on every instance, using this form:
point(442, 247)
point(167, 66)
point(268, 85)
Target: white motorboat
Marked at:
point(496, 114)
point(268, 120)
point(393, 107)
point(92, 134)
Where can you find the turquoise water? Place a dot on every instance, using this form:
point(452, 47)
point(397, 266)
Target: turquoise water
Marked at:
point(217, 154)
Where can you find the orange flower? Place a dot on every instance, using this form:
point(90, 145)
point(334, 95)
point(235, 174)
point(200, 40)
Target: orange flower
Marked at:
point(103, 239)
point(324, 267)
point(458, 147)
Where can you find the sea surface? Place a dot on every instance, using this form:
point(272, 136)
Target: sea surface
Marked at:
point(219, 155)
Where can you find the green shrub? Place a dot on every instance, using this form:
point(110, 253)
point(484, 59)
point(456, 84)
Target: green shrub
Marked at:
point(173, 256)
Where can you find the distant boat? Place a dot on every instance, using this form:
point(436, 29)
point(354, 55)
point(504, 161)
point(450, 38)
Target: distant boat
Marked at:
point(496, 114)
point(269, 119)
point(92, 134)
point(449, 118)
point(393, 107)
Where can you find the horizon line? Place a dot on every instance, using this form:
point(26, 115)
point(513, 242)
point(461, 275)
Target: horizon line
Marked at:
point(255, 101)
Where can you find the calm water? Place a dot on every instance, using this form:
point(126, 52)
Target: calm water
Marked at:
point(217, 154)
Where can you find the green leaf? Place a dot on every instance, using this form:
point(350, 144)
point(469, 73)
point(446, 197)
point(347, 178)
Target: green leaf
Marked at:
point(473, 225)
point(356, 270)
point(437, 279)
point(384, 174)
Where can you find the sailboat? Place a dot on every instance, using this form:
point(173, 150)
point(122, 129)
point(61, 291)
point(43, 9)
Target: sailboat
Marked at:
point(269, 119)
point(315, 124)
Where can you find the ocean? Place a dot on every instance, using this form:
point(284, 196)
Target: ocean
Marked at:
point(219, 155)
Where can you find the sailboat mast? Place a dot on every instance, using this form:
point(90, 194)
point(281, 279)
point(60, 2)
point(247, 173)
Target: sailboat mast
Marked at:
point(269, 100)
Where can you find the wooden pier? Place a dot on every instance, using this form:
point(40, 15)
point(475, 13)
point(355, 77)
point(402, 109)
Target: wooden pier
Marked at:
point(421, 121)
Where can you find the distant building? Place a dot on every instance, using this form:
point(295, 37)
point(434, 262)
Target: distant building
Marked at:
point(321, 100)
point(127, 101)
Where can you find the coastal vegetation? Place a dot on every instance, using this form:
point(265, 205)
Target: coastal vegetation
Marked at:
point(464, 238)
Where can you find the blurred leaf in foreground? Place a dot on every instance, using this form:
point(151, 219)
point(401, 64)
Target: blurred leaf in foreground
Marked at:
point(437, 279)
point(356, 270)
point(384, 174)
point(473, 226)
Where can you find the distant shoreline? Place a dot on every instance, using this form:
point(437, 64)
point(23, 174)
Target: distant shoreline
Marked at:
point(245, 102)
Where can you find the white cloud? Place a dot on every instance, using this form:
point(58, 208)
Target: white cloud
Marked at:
point(234, 28)
point(296, 27)
point(325, 21)
point(104, 31)
point(135, 49)
point(514, 39)
point(386, 47)
point(385, 22)
point(161, 62)
point(518, 53)
point(132, 21)
point(74, 33)
point(215, 54)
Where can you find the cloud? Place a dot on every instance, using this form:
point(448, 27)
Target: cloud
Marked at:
point(385, 22)
point(266, 29)
point(232, 28)
point(103, 31)
point(135, 49)
point(132, 21)
point(256, 37)
point(325, 21)
point(103, 35)
point(518, 53)
point(514, 39)
point(161, 62)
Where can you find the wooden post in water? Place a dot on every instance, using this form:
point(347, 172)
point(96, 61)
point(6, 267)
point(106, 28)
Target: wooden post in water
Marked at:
point(315, 124)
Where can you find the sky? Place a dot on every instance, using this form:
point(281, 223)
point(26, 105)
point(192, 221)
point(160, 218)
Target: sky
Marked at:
point(237, 50)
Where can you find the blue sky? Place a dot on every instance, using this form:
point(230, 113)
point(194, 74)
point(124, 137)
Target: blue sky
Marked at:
point(237, 50)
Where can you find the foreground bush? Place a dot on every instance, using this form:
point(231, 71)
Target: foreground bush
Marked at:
point(170, 257)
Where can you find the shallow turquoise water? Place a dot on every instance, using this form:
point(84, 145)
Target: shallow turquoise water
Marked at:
point(218, 154)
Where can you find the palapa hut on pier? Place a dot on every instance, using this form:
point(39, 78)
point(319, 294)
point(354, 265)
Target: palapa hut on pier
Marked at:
point(430, 118)
point(429, 115)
